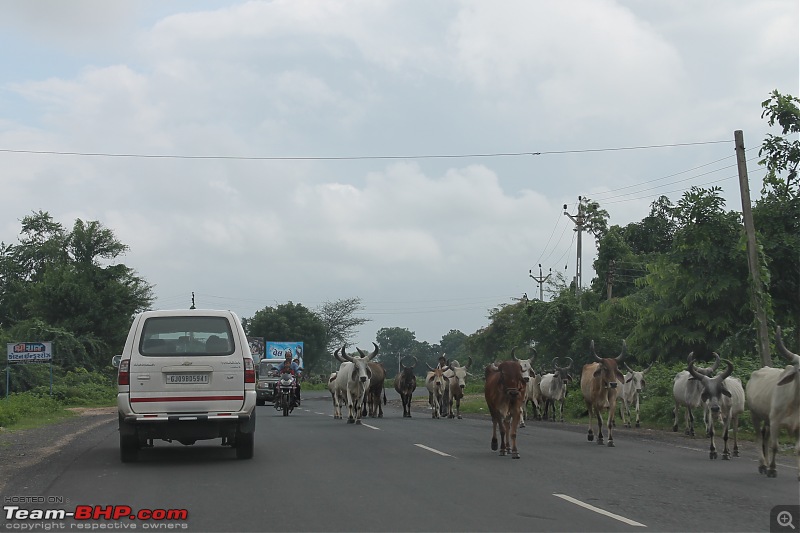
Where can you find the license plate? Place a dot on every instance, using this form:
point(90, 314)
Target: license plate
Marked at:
point(187, 378)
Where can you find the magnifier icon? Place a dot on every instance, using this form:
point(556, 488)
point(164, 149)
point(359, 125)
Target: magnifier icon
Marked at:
point(785, 519)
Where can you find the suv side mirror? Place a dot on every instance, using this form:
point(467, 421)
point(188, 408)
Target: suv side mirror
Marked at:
point(115, 361)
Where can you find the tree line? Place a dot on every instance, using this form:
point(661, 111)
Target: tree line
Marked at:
point(675, 282)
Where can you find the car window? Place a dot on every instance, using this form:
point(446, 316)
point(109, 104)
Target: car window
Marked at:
point(186, 336)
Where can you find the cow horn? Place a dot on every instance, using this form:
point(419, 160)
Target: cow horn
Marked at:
point(621, 355)
point(793, 358)
point(597, 357)
point(469, 362)
point(374, 352)
point(629, 368)
point(415, 361)
point(695, 374)
point(514, 349)
point(337, 356)
point(646, 370)
point(429, 366)
point(535, 353)
point(728, 371)
point(569, 365)
point(345, 356)
point(716, 362)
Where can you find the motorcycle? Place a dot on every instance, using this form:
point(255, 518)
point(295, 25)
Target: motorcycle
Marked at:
point(284, 394)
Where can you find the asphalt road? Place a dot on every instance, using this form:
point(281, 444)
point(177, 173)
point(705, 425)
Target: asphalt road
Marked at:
point(313, 473)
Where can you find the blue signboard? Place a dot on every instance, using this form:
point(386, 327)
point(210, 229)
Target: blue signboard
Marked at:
point(277, 351)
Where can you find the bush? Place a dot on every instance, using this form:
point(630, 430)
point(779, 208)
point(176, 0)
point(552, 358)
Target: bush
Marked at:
point(19, 407)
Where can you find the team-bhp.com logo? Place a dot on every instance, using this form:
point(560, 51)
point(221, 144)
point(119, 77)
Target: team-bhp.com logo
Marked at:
point(96, 513)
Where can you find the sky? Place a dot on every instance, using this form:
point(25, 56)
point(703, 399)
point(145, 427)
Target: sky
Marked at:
point(414, 154)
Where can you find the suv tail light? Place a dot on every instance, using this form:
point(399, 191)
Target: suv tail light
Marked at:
point(249, 371)
point(124, 375)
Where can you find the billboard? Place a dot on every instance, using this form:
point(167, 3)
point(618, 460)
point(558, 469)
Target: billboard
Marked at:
point(256, 348)
point(277, 351)
point(30, 352)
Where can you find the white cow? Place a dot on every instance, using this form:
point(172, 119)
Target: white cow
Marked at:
point(773, 396)
point(724, 396)
point(457, 379)
point(337, 407)
point(631, 389)
point(528, 376)
point(687, 393)
point(436, 383)
point(554, 389)
point(354, 379)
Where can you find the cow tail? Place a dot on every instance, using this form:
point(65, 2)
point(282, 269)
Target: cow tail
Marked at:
point(384, 396)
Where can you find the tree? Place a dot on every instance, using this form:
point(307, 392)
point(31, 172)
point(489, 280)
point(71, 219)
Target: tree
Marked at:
point(55, 280)
point(394, 343)
point(340, 321)
point(292, 322)
point(697, 292)
point(777, 214)
point(454, 345)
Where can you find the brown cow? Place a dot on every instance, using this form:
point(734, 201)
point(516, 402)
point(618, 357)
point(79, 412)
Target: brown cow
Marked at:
point(505, 394)
point(375, 391)
point(405, 383)
point(599, 385)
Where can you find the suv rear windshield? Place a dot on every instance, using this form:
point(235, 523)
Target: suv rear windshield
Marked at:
point(186, 335)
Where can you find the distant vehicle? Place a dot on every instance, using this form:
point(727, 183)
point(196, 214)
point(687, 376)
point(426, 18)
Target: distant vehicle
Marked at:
point(268, 376)
point(186, 375)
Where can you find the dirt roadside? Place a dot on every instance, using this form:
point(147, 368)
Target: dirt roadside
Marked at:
point(21, 449)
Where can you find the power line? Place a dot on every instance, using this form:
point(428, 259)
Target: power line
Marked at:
point(351, 158)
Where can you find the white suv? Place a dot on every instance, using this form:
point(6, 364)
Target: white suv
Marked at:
point(186, 375)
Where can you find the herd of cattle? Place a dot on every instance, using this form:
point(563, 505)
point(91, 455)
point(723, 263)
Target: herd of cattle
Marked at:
point(772, 395)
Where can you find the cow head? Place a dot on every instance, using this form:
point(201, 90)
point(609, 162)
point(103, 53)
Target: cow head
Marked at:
point(562, 372)
point(361, 371)
point(511, 380)
point(789, 374)
point(713, 388)
point(436, 377)
point(527, 365)
point(637, 378)
point(457, 374)
point(608, 369)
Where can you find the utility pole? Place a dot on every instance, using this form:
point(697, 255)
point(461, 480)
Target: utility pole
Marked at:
point(192, 307)
point(610, 277)
point(579, 220)
point(540, 280)
point(757, 291)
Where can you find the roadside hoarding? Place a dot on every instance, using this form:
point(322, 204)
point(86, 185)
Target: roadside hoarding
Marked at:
point(29, 352)
point(256, 348)
point(277, 351)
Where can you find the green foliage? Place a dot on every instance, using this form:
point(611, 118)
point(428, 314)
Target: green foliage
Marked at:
point(53, 287)
point(292, 322)
point(18, 407)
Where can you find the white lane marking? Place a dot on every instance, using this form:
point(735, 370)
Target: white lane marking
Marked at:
point(433, 450)
point(316, 413)
point(599, 511)
point(370, 427)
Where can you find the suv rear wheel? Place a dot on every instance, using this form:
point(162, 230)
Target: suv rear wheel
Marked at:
point(244, 445)
point(128, 448)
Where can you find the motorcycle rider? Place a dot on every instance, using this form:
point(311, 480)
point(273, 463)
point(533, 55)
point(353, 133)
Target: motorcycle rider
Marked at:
point(288, 368)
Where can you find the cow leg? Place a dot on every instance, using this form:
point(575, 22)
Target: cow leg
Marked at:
point(675, 417)
point(599, 428)
point(513, 428)
point(590, 436)
point(690, 422)
point(611, 412)
point(494, 433)
point(736, 436)
point(637, 411)
point(561, 409)
point(712, 451)
point(726, 454)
